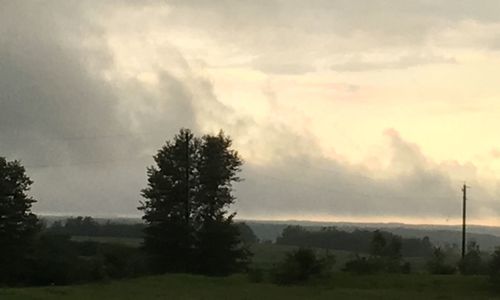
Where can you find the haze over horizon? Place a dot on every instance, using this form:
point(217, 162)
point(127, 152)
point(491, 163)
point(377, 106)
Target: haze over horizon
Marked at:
point(368, 110)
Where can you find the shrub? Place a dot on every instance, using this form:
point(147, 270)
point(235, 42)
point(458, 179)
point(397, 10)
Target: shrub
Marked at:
point(361, 265)
point(472, 264)
point(438, 264)
point(302, 265)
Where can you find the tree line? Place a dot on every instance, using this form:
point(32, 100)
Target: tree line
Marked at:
point(86, 226)
point(359, 241)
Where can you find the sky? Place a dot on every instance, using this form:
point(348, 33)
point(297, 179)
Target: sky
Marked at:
point(366, 110)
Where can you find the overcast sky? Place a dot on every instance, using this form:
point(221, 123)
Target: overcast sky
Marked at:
point(370, 110)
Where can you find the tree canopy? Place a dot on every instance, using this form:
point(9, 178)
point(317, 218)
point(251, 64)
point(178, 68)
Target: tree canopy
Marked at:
point(18, 225)
point(189, 228)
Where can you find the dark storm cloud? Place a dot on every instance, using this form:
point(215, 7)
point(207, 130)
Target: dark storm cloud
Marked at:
point(53, 105)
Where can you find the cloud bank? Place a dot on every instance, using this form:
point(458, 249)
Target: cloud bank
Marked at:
point(89, 91)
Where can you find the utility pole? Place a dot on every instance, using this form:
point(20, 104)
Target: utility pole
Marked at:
point(188, 167)
point(464, 191)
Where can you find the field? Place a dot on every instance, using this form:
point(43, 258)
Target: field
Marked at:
point(265, 255)
point(340, 286)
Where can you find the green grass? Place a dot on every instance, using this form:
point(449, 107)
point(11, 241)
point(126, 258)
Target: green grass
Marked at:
point(264, 255)
point(341, 286)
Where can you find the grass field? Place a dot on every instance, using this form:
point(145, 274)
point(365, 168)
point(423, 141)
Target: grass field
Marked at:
point(264, 255)
point(340, 286)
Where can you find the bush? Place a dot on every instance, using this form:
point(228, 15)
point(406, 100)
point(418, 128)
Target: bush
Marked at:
point(438, 264)
point(472, 264)
point(302, 265)
point(361, 265)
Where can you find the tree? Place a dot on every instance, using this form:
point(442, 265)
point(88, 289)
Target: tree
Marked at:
point(219, 249)
point(378, 244)
point(438, 263)
point(188, 196)
point(301, 265)
point(247, 235)
point(168, 209)
point(18, 225)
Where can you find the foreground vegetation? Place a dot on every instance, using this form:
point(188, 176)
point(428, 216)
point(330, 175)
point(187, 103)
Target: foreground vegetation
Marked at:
point(340, 286)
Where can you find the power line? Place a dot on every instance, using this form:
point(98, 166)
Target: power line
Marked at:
point(82, 163)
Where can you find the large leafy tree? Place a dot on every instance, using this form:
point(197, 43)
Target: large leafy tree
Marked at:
point(189, 192)
point(18, 225)
point(168, 208)
point(217, 237)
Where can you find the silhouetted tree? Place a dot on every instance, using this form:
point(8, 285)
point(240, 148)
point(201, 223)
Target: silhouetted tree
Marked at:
point(378, 244)
point(168, 209)
point(186, 209)
point(393, 249)
point(219, 246)
point(18, 225)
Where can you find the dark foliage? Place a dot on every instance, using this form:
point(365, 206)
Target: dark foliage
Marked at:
point(87, 226)
point(218, 244)
point(385, 256)
point(439, 264)
point(189, 191)
point(362, 265)
point(60, 261)
point(359, 241)
point(56, 260)
point(219, 249)
point(91, 228)
point(168, 209)
point(302, 265)
point(472, 263)
point(247, 235)
point(18, 225)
